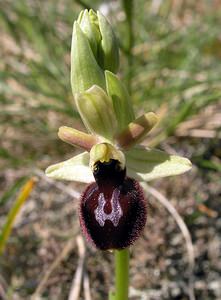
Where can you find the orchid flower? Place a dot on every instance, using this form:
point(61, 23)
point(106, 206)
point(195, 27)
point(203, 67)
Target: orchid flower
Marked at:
point(112, 207)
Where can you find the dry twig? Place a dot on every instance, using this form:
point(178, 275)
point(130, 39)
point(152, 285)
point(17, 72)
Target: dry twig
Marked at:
point(76, 283)
point(62, 256)
point(71, 192)
point(86, 283)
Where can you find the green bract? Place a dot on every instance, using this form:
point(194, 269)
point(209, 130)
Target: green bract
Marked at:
point(121, 101)
point(107, 113)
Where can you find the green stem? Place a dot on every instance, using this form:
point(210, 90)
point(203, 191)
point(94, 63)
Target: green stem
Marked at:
point(122, 274)
point(128, 6)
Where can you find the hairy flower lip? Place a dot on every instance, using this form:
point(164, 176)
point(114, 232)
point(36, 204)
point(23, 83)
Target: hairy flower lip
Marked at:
point(109, 172)
point(105, 228)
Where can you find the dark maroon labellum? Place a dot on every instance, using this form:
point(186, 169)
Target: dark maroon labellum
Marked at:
point(112, 209)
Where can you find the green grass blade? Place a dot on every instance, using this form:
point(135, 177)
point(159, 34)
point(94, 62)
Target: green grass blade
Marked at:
point(20, 200)
point(12, 190)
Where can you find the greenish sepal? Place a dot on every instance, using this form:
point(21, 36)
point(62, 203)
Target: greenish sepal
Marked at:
point(74, 169)
point(77, 138)
point(104, 152)
point(145, 164)
point(96, 111)
point(136, 131)
point(109, 50)
point(121, 100)
point(85, 70)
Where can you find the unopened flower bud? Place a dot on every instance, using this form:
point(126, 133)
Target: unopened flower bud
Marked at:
point(94, 50)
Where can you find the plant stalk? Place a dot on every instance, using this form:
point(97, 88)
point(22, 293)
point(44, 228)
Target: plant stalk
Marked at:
point(122, 274)
point(128, 6)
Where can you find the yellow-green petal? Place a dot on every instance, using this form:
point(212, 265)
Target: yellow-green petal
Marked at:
point(74, 169)
point(145, 164)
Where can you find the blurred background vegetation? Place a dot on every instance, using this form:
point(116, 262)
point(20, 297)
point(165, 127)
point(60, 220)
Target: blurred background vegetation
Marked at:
point(171, 64)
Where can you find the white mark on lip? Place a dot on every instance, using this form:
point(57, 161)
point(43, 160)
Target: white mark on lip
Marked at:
point(116, 212)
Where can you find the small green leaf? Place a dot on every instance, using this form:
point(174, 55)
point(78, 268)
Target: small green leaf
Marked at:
point(144, 164)
point(121, 100)
point(96, 111)
point(74, 169)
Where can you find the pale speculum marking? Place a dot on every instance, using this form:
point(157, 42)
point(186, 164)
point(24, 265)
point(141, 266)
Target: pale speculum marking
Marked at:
point(116, 212)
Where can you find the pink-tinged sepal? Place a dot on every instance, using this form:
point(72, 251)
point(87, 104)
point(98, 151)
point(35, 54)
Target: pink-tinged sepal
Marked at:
point(136, 131)
point(77, 138)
